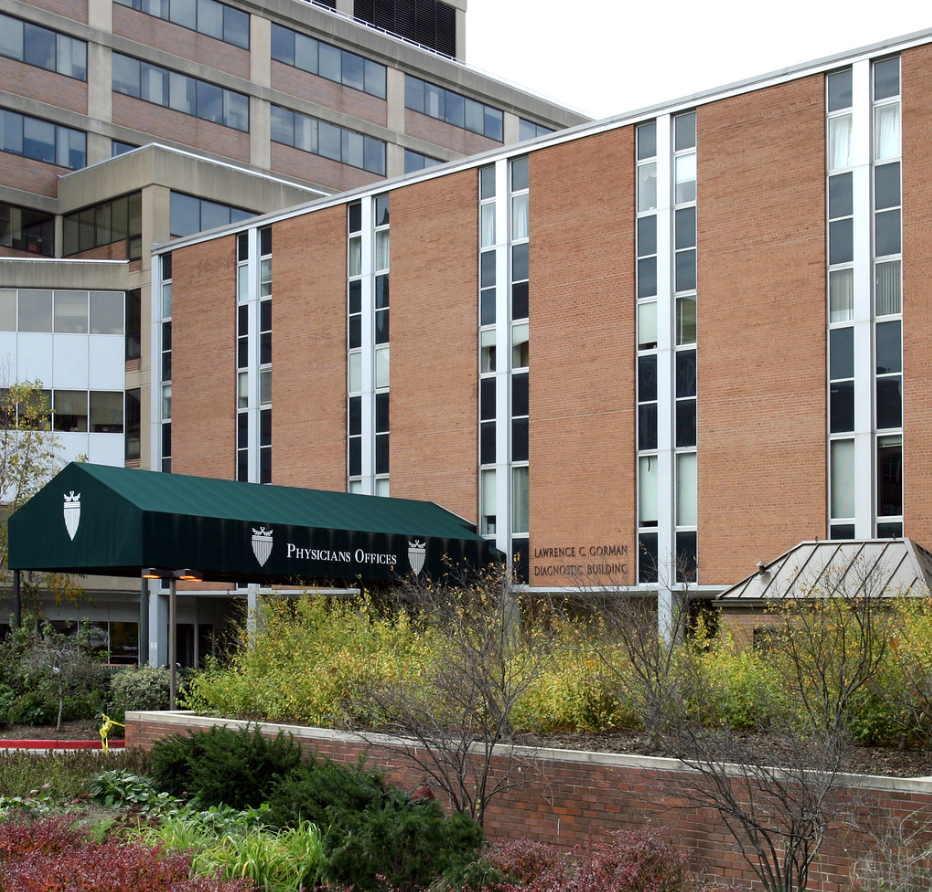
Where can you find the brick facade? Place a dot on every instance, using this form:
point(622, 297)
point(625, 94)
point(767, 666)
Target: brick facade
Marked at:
point(204, 360)
point(917, 269)
point(761, 321)
point(573, 797)
point(434, 337)
point(309, 350)
point(39, 84)
point(320, 90)
point(582, 371)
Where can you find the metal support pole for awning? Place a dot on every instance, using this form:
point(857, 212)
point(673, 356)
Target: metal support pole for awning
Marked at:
point(17, 601)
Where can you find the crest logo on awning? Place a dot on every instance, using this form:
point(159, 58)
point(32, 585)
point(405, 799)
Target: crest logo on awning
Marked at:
point(417, 554)
point(262, 544)
point(72, 512)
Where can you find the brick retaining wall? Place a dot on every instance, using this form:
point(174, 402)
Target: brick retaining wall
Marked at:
point(574, 796)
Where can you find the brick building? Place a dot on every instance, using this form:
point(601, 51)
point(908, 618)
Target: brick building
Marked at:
point(129, 122)
point(664, 346)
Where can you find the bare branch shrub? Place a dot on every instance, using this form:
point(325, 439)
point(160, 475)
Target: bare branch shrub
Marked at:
point(900, 860)
point(457, 715)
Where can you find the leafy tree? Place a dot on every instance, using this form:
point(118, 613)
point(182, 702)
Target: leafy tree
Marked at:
point(30, 455)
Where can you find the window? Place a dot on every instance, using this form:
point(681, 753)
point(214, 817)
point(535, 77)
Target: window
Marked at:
point(328, 61)
point(43, 48)
point(415, 161)
point(105, 224)
point(27, 230)
point(132, 425)
point(328, 140)
point(190, 215)
point(530, 130)
point(204, 16)
point(42, 140)
point(188, 95)
point(453, 108)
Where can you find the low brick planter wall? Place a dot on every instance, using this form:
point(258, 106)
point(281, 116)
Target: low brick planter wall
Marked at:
point(572, 797)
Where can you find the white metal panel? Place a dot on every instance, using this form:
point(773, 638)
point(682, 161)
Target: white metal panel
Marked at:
point(106, 362)
point(105, 449)
point(70, 355)
point(34, 357)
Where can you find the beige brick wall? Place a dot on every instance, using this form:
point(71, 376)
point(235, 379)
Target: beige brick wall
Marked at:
point(582, 366)
point(917, 273)
point(434, 342)
point(315, 169)
point(309, 350)
point(761, 326)
point(204, 359)
point(29, 175)
point(72, 9)
point(440, 133)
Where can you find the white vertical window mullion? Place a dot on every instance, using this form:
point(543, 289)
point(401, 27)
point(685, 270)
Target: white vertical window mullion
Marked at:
point(252, 341)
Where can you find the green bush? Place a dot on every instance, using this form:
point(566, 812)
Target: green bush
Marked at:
point(145, 688)
point(222, 765)
point(373, 831)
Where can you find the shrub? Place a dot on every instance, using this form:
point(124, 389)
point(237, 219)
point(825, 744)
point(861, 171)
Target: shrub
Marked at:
point(145, 688)
point(373, 833)
point(52, 856)
point(222, 765)
point(636, 861)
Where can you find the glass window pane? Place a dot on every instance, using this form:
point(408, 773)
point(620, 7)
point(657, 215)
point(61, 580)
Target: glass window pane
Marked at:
point(839, 142)
point(890, 402)
point(648, 476)
point(841, 195)
point(520, 501)
point(889, 347)
point(486, 225)
point(488, 499)
point(487, 350)
point(686, 270)
point(519, 439)
point(841, 295)
point(647, 325)
point(107, 412)
point(382, 366)
point(685, 178)
point(71, 311)
point(842, 473)
point(841, 241)
point(841, 353)
point(647, 378)
point(519, 216)
point(685, 423)
point(839, 90)
point(687, 489)
point(647, 235)
point(887, 289)
point(520, 297)
point(70, 410)
point(647, 426)
point(841, 406)
point(329, 63)
point(647, 141)
point(886, 186)
point(107, 312)
point(685, 373)
point(7, 310)
point(519, 262)
point(887, 131)
point(685, 320)
point(887, 78)
point(265, 387)
point(236, 27)
point(890, 477)
point(647, 187)
point(185, 214)
point(647, 277)
point(210, 18)
point(354, 384)
point(684, 127)
point(685, 227)
point(887, 232)
point(520, 346)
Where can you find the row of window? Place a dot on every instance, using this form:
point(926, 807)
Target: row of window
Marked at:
point(177, 91)
point(327, 140)
point(327, 61)
point(453, 108)
point(43, 48)
point(204, 16)
point(81, 411)
point(42, 140)
point(189, 215)
point(62, 312)
point(103, 224)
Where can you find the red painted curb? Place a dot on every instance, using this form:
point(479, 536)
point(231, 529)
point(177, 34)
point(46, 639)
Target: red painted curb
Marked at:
point(59, 744)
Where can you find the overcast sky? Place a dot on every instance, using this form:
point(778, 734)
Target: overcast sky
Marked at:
point(604, 57)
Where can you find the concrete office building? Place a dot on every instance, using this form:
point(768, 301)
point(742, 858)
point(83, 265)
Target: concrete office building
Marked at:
point(128, 122)
point(668, 345)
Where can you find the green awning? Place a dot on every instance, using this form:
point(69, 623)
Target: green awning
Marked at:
point(117, 521)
